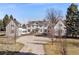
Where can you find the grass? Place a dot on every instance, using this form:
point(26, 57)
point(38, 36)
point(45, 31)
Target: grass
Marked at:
point(72, 48)
point(2, 33)
point(9, 44)
point(51, 50)
point(5, 40)
point(11, 47)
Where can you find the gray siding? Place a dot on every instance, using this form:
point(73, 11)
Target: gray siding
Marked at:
point(11, 29)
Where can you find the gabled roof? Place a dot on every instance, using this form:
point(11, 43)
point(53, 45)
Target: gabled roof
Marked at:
point(15, 21)
point(46, 23)
point(37, 23)
point(61, 21)
point(55, 23)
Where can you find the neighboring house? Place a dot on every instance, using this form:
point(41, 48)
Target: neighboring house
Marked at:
point(60, 26)
point(43, 27)
point(12, 28)
point(37, 27)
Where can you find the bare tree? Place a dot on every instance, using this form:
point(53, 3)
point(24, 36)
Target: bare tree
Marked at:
point(62, 42)
point(53, 16)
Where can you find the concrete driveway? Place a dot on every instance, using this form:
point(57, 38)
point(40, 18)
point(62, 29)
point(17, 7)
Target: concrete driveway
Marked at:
point(33, 44)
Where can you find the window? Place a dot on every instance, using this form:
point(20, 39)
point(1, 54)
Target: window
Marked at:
point(49, 27)
point(40, 30)
point(24, 31)
point(60, 25)
point(12, 31)
point(40, 25)
point(12, 25)
point(28, 30)
point(45, 30)
point(45, 25)
point(32, 25)
point(28, 25)
point(36, 25)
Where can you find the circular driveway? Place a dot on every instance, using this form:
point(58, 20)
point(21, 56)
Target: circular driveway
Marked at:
point(33, 44)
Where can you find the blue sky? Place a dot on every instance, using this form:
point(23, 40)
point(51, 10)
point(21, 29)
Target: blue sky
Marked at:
point(28, 12)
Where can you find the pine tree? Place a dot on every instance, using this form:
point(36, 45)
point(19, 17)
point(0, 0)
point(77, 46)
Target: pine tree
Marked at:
point(11, 17)
point(1, 25)
point(5, 20)
point(78, 23)
point(72, 20)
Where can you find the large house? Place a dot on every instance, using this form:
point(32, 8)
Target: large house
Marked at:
point(43, 27)
point(37, 27)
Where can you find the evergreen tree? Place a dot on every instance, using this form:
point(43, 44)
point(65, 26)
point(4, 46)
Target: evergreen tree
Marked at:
point(11, 17)
point(1, 25)
point(72, 20)
point(5, 20)
point(78, 24)
point(23, 26)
